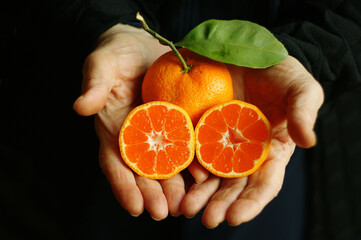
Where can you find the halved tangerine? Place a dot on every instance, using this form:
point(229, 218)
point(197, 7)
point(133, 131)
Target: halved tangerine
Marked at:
point(157, 140)
point(232, 139)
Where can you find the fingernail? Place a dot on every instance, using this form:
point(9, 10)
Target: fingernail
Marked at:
point(134, 215)
point(79, 98)
point(175, 215)
point(155, 219)
point(211, 227)
point(314, 139)
point(189, 217)
point(234, 225)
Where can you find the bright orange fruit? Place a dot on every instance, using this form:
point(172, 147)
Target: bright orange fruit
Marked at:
point(232, 139)
point(207, 84)
point(157, 140)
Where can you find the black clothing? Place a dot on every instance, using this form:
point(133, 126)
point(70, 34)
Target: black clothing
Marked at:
point(49, 36)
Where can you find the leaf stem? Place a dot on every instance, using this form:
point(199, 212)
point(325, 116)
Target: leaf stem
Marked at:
point(164, 41)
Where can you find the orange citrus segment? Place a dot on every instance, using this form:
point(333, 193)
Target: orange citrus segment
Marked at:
point(232, 139)
point(215, 120)
point(207, 134)
point(258, 131)
point(134, 135)
point(137, 150)
point(157, 140)
point(246, 118)
point(211, 151)
point(141, 122)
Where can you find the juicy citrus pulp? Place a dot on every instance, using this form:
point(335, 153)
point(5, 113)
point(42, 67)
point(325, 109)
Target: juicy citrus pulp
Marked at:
point(157, 140)
point(232, 139)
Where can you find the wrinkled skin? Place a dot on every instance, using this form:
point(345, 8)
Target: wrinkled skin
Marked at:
point(286, 93)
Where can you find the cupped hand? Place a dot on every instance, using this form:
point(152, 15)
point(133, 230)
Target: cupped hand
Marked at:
point(290, 98)
point(111, 88)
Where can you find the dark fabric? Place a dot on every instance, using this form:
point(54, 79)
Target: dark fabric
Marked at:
point(328, 42)
point(48, 154)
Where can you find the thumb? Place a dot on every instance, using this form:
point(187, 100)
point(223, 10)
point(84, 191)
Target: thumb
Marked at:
point(304, 100)
point(96, 86)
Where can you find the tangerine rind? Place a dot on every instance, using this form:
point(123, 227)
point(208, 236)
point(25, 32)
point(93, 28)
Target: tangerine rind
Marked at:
point(207, 84)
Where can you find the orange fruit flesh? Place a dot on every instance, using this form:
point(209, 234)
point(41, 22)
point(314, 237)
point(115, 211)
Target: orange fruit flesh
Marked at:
point(232, 139)
point(157, 140)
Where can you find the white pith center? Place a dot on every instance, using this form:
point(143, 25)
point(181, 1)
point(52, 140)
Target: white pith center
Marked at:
point(232, 138)
point(157, 141)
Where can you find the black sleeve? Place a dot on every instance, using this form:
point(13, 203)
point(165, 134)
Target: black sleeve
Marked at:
point(326, 38)
point(88, 19)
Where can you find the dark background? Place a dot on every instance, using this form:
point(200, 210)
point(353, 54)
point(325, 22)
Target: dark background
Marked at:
point(48, 154)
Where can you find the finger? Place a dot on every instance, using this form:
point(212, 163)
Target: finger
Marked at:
point(215, 212)
point(304, 100)
point(198, 196)
point(199, 173)
point(98, 79)
point(154, 199)
point(262, 187)
point(121, 180)
point(174, 191)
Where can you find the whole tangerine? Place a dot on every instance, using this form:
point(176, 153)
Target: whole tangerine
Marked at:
point(207, 84)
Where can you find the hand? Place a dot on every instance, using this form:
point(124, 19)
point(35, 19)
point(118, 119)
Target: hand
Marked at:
point(290, 98)
point(111, 88)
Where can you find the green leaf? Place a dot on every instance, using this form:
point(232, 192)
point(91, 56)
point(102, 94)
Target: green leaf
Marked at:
point(238, 42)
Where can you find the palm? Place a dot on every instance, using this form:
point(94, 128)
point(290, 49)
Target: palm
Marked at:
point(112, 77)
point(277, 91)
